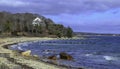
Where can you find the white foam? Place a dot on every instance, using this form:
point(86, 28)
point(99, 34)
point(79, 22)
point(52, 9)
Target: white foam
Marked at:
point(109, 58)
point(88, 54)
point(23, 44)
point(13, 46)
point(20, 48)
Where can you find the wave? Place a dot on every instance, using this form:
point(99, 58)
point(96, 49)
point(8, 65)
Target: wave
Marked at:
point(13, 46)
point(109, 58)
point(88, 54)
point(19, 48)
point(23, 44)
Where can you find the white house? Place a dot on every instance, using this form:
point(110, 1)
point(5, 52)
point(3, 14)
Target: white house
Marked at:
point(38, 21)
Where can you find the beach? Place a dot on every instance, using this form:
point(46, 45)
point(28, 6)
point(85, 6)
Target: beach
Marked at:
point(95, 52)
point(12, 60)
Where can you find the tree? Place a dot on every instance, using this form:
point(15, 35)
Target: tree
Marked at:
point(21, 23)
point(40, 29)
point(7, 26)
point(58, 34)
point(69, 32)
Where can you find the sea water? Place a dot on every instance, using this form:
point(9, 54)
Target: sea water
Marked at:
point(93, 52)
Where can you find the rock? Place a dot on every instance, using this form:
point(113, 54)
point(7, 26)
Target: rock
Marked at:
point(53, 57)
point(26, 53)
point(65, 56)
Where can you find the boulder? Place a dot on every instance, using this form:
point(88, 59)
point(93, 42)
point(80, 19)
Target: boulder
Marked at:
point(53, 57)
point(26, 53)
point(65, 56)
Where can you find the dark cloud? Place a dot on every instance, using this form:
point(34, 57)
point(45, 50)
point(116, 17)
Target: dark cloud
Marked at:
point(59, 6)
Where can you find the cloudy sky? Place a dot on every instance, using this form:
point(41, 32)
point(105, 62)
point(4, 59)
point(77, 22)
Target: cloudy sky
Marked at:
point(101, 16)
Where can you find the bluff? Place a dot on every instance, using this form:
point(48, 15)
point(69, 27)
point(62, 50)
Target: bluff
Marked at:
point(28, 24)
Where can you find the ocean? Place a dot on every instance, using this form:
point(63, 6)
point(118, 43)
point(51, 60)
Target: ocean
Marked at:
point(92, 52)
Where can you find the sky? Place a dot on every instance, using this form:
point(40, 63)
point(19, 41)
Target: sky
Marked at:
point(97, 16)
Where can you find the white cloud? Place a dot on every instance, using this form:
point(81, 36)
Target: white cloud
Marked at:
point(14, 3)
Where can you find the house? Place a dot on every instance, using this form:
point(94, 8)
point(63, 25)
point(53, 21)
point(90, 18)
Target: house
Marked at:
point(38, 21)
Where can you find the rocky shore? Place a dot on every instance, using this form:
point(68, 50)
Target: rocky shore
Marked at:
point(13, 60)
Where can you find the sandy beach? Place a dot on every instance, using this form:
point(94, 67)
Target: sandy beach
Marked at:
point(10, 60)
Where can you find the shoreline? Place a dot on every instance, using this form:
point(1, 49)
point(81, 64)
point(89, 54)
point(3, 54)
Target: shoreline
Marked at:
point(20, 61)
point(31, 57)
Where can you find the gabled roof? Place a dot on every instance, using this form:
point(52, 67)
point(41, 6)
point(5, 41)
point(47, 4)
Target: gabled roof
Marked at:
point(37, 19)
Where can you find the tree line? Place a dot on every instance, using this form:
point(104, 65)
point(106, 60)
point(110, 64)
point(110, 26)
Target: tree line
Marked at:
point(20, 24)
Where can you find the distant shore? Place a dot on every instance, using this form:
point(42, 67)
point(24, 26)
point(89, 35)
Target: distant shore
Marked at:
point(11, 59)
